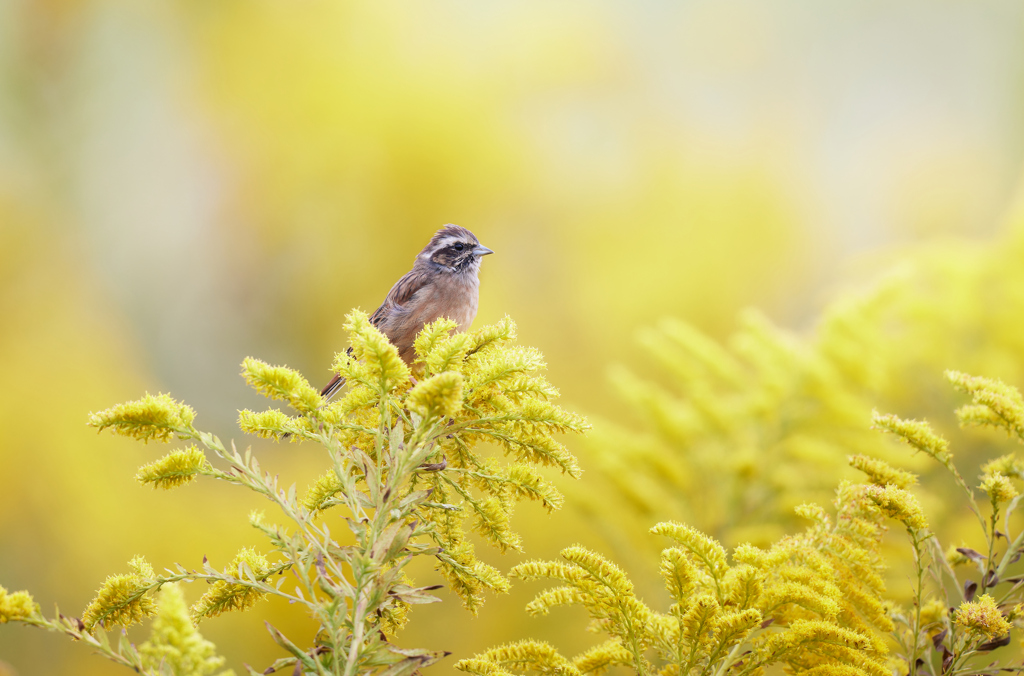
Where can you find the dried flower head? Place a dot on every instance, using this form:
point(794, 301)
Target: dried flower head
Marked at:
point(982, 618)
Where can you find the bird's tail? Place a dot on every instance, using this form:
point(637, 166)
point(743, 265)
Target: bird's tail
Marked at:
point(337, 382)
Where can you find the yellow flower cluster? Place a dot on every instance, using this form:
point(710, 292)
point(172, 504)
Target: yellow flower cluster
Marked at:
point(223, 596)
point(900, 505)
point(152, 417)
point(281, 382)
point(16, 606)
point(999, 488)
point(174, 469)
point(996, 404)
point(470, 388)
point(916, 433)
point(174, 643)
point(882, 473)
point(746, 429)
point(811, 602)
point(123, 599)
point(982, 618)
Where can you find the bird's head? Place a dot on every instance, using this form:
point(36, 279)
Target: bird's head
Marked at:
point(454, 249)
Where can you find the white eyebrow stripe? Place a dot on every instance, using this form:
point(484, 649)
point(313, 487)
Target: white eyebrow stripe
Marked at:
point(447, 242)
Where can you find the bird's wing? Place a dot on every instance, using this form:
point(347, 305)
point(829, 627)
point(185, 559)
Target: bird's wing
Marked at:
point(401, 293)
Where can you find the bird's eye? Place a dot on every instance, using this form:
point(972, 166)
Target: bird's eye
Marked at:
point(459, 246)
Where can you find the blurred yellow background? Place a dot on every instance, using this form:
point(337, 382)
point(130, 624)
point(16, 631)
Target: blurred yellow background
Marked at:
point(184, 184)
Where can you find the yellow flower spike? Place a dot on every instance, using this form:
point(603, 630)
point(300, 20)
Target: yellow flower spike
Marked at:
point(998, 487)
point(487, 337)
point(744, 586)
point(448, 353)
point(978, 415)
point(813, 512)
point(357, 399)
point(751, 555)
point(535, 570)
point(1008, 465)
point(225, 596)
point(269, 424)
point(281, 383)
point(600, 657)
point(679, 574)
point(506, 364)
point(900, 505)
point(174, 469)
point(481, 668)
point(917, 433)
point(599, 568)
point(833, 670)
point(706, 549)
point(933, 611)
point(553, 598)
point(492, 523)
point(731, 628)
point(981, 618)
point(174, 643)
point(152, 417)
point(781, 594)
point(699, 621)
point(439, 396)
point(322, 490)
point(17, 606)
point(527, 482)
point(881, 473)
point(1005, 401)
point(123, 599)
point(524, 655)
point(431, 333)
point(381, 364)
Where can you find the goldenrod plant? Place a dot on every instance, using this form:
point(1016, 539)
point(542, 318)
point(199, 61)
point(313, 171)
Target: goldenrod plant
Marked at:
point(406, 474)
point(955, 622)
point(815, 602)
point(730, 434)
point(736, 435)
point(812, 602)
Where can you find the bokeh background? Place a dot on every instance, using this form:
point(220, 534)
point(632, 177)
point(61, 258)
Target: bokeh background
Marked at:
point(183, 184)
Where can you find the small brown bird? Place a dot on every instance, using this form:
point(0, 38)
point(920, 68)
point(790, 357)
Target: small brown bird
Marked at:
point(443, 282)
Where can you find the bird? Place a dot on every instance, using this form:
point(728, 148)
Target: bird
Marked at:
point(444, 282)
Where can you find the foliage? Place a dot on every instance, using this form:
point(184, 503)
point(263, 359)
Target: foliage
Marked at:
point(815, 602)
point(406, 472)
point(731, 435)
point(748, 431)
point(812, 602)
point(174, 644)
point(984, 607)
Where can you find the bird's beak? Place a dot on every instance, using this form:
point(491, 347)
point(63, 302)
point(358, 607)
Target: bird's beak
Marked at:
point(481, 250)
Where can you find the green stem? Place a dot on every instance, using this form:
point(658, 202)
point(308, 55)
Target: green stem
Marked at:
point(916, 629)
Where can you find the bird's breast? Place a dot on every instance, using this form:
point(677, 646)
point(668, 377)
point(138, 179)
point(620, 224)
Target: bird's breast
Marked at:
point(453, 297)
point(450, 297)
